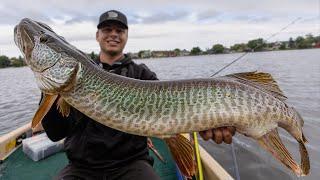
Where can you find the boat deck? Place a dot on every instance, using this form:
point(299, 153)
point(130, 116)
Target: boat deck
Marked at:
point(19, 166)
point(15, 165)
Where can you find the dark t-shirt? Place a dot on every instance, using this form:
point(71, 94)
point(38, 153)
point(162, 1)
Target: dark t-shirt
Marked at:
point(91, 144)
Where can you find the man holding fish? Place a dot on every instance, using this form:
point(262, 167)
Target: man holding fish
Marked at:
point(96, 151)
point(252, 102)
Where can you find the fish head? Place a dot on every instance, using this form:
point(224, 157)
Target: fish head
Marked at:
point(33, 39)
point(49, 56)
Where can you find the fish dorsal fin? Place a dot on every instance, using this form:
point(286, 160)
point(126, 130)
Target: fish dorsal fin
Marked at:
point(260, 80)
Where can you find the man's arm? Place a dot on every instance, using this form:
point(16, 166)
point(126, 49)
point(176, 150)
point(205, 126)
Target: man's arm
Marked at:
point(55, 125)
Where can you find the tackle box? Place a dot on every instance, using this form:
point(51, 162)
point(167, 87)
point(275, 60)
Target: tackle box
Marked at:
point(40, 146)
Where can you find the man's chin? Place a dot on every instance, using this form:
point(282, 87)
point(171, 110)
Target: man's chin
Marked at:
point(113, 53)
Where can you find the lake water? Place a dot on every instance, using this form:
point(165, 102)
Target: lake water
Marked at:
point(297, 73)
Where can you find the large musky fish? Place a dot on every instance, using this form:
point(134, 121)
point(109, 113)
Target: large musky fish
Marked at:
point(251, 101)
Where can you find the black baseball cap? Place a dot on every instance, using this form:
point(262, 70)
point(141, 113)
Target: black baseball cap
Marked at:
point(112, 15)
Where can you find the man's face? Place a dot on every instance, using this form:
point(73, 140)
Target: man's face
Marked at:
point(112, 38)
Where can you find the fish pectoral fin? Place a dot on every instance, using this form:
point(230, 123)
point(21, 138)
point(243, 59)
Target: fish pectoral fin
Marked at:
point(305, 162)
point(182, 152)
point(272, 143)
point(260, 80)
point(63, 107)
point(43, 109)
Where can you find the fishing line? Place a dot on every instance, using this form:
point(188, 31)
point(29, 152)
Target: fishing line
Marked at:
point(237, 59)
point(234, 157)
point(258, 45)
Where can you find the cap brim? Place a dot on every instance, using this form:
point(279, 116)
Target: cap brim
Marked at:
point(101, 24)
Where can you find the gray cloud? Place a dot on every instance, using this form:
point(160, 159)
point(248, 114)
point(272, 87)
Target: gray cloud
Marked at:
point(207, 15)
point(12, 17)
point(161, 10)
point(262, 19)
point(161, 17)
point(148, 36)
point(252, 18)
point(195, 17)
point(315, 19)
point(82, 37)
point(82, 18)
point(12, 11)
point(243, 17)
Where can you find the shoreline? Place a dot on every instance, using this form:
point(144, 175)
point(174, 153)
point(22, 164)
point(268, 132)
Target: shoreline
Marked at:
point(154, 58)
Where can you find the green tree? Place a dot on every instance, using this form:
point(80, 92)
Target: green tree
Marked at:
point(4, 61)
point(144, 54)
point(270, 45)
point(17, 62)
point(310, 39)
point(195, 51)
point(291, 43)
point(317, 39)
point(177, 51)
point(257, 44)
point(301, 43)
point(22, 59)
point(218, 48)
point(239, 47)
point(140, 54)
point(282, 46)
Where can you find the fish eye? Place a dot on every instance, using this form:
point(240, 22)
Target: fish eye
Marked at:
point(45, 26)
point(43, 38)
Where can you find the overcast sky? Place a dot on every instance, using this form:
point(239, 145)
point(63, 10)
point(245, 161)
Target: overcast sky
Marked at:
point(165, 24)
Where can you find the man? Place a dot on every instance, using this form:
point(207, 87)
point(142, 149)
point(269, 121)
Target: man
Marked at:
point(94, 150)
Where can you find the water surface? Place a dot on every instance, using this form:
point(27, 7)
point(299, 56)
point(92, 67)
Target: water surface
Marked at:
point(297, 73)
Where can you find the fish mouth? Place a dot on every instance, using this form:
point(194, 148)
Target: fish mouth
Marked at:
point(23, 37)
point(272, 143)
point(23, 41)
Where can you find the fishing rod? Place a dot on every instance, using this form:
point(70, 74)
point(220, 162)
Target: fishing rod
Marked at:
point(237, 59)
point(258, 45)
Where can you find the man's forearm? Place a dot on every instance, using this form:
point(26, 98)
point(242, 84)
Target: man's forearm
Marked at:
point(55, 125)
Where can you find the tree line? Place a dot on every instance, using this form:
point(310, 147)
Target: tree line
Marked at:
point(11, 62)
point(255, 45)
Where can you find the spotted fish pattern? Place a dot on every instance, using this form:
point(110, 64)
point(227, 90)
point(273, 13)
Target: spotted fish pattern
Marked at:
point(252, 101)
point(151, 108)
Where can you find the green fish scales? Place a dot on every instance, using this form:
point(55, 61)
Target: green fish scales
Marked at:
point(150, 108)
point(252, 101)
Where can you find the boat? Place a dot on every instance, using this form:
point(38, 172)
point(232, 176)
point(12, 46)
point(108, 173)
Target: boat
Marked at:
point(15, 164)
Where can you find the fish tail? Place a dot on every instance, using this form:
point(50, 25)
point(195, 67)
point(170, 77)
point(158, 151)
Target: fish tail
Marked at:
point(182, 152)
point(272, 143)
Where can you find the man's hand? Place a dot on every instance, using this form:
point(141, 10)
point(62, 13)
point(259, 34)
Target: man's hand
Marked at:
point(219, 135)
